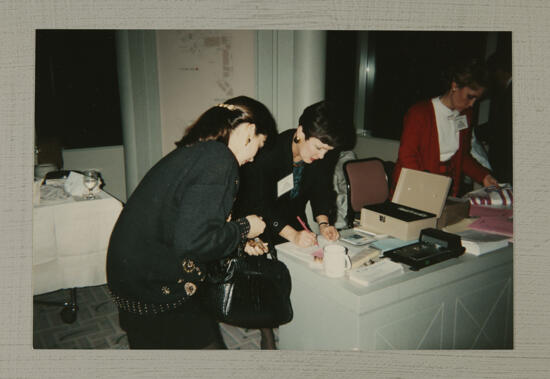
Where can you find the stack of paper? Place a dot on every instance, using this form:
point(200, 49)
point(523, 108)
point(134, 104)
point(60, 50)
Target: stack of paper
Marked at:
point(306, 254)
point(496, 225)
point(368, 274)
point(355, 238)
point(478, 242)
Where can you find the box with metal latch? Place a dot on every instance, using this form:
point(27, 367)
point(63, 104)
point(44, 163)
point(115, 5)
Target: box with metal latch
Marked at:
point(416, 204)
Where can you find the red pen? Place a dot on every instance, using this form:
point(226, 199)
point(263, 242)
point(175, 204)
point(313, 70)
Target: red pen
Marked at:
point(305, 227)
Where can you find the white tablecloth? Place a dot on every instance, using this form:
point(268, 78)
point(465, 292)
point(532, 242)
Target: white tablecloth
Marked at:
point(70, 239)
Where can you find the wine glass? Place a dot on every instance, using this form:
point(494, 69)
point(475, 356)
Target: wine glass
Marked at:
point(90, 181)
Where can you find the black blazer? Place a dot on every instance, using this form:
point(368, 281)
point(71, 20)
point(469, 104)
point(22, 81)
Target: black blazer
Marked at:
point(258, 191)
point(177, 213)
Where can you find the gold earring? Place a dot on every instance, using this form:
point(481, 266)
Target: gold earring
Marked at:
point(296, 139)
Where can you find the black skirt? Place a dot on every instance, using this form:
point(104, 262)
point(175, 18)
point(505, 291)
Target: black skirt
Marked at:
point(187, 327)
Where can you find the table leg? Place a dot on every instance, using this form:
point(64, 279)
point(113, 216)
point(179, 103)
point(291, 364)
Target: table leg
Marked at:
point(68, 313)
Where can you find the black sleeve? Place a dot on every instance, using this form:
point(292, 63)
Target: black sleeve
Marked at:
point(323, 196)
point(202, 230)
point(258, 190)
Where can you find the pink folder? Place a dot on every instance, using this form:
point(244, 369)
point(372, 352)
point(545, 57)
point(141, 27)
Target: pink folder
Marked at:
point(497, 225)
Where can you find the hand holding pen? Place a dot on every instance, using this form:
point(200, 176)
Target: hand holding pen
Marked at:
point(304, 238)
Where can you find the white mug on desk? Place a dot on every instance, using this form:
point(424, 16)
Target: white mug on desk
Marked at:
point(335, 261)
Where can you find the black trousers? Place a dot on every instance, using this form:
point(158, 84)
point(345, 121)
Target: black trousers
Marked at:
point(187, 327)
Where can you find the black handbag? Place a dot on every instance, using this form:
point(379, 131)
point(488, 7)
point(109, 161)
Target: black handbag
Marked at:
point(249, 291)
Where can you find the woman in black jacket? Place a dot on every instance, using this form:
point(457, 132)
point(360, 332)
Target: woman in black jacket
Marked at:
point(177, 220)
point(298, 168)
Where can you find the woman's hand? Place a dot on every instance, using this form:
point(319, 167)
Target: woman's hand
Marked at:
point(256, 247)
point(329, 232)
point(257, 226)
point(489, 181)
point(304, 238)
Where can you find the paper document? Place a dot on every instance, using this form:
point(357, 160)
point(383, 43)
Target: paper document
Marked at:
point(478, 243)
point(356, 238)
point(368, 274)
point(307, 254)
point(481, 211)
point(496, 225)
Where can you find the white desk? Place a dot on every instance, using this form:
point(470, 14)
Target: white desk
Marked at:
point(70, 240)
point(462, 303)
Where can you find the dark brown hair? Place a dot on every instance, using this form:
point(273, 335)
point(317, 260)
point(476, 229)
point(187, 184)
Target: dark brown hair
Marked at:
point(468, 73)
point(214, 124)
point(263, 119)
point(323, 121)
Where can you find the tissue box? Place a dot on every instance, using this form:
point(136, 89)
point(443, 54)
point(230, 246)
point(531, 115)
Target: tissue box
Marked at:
point(416, 204)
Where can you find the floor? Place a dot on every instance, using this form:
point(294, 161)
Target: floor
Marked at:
point(96, 325)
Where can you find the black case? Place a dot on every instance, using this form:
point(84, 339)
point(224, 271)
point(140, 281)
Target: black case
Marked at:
point(401, 212)
point(434, 246)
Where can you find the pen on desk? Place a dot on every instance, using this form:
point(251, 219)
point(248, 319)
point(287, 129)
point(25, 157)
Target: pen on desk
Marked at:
point(305, 227)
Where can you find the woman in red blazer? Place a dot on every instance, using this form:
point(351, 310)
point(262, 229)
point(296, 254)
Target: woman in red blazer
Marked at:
point(437, 133)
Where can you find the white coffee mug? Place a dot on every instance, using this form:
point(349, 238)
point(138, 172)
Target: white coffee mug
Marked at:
point(335, 261)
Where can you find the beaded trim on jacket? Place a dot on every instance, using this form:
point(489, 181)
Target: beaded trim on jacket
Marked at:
point(194, 276)
point(142, 309)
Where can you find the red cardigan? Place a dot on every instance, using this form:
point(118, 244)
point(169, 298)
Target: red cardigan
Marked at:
point(419, 147)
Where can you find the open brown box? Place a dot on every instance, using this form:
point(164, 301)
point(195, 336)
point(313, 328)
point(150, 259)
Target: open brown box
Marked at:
point(416, 204)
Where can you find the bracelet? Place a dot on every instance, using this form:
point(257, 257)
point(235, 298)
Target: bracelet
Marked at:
point(323, 223)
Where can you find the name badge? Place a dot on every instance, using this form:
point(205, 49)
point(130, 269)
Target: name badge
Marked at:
point(284, 185)
point(461, 122)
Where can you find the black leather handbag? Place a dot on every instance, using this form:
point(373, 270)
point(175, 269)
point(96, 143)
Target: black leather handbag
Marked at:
point(249, 291)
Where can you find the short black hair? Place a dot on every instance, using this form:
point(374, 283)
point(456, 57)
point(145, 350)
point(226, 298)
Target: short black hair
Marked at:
point(324, 121)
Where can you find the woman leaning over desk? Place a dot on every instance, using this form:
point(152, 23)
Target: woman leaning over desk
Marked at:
point(176, 220)
point(437, 133)
point(297, 168)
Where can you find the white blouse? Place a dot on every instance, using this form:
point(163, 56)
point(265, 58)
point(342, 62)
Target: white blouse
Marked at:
point(447, 132)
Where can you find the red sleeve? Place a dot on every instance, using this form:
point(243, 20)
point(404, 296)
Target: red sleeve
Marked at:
point(411, 138)
point(414, 127)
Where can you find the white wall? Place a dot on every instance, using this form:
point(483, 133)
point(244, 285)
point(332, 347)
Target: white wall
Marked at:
point(109, 160)
point(198, 69)
point(385, 149)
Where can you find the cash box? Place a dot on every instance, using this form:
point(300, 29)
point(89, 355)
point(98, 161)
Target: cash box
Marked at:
point(433, 246)
point(416, 204)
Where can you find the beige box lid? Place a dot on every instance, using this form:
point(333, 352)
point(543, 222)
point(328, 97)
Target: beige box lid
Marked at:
point(422, 190)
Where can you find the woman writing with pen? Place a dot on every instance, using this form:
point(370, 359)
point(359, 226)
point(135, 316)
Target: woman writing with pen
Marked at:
point(297, 168)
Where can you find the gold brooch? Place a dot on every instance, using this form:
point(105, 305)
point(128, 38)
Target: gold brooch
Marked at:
point(188, 265)
point(190, 288)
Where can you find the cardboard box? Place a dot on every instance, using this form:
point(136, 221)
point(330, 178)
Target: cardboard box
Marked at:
point(454, 210)
point(416, 204)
